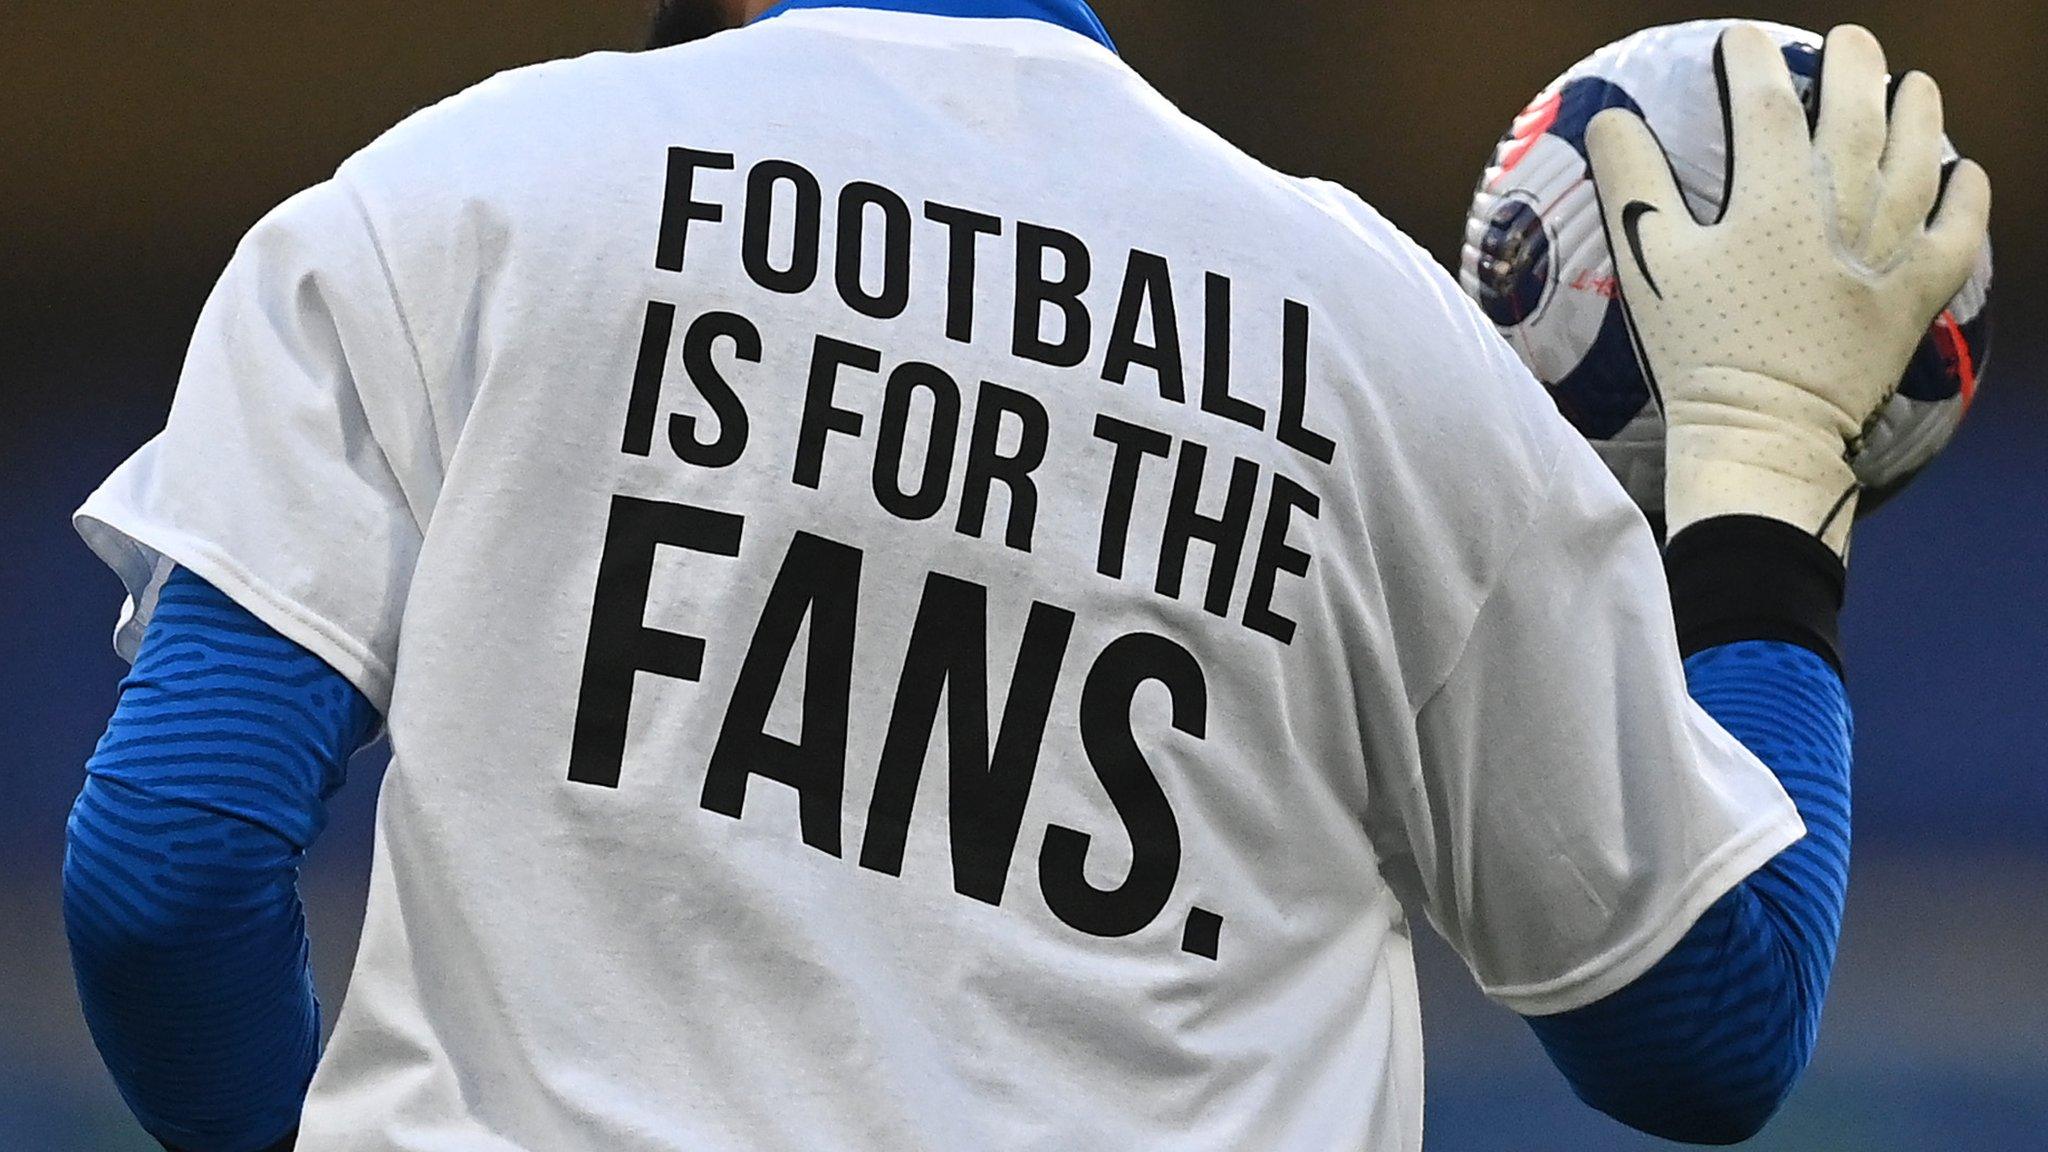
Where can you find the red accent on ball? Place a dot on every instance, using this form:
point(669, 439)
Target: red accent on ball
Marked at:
point(1955, 352)
point(1529, 127)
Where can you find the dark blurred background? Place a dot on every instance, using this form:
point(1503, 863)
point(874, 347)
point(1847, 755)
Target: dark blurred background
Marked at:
point(138, 141)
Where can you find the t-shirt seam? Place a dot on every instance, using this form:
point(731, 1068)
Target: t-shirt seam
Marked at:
point(216, 566)
point(806, 18)
point(1567, 991)
point(1493, 582)
point(405, 326)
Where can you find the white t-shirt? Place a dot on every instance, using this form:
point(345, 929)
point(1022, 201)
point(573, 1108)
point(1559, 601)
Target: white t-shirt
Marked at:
point(923, 601)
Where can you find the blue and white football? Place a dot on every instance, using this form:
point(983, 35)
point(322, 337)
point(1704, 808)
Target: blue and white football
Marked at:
point(1536, 260)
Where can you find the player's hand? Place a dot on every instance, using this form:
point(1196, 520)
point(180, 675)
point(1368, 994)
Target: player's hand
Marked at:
point(1774, 336)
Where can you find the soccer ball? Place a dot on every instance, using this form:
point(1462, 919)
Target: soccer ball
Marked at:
point(1536, 259)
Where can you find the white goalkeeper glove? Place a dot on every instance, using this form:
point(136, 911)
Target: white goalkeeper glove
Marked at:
point(1774, 336)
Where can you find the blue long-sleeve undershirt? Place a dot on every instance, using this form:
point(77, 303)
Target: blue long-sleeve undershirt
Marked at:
point(189, 941)
point(1706, 1045)
point(180, 872)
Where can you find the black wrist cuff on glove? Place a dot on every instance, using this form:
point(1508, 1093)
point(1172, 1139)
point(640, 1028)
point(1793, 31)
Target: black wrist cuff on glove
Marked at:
point(1737, 578)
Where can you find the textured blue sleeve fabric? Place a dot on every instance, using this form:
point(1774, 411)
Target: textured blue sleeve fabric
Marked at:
point(1705, 1045)
point(181, 868)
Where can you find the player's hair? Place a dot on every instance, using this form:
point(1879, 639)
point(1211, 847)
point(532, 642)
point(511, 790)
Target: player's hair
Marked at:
point(681, 21)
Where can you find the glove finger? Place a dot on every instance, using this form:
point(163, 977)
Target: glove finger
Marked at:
point(1912, 166)
point(1850, 134)
point(1639, 197)
point(1952, 244)
point(1629, 163)
point(1767, 133)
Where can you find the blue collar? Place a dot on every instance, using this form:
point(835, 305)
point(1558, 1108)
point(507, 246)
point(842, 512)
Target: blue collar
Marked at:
point(1073, 15)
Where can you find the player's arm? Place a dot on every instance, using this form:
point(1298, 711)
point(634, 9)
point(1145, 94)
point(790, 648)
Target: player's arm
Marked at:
point(266, 538)
point(1706, 1045)
point(1606, 857)
point(1840, 245)
point(180, 872)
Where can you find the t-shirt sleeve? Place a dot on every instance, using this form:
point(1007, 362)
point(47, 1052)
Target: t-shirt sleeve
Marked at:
point(1576, 811)
point(273, 479)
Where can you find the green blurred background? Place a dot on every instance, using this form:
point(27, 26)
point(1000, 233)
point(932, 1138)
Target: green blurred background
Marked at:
point(138, 141)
